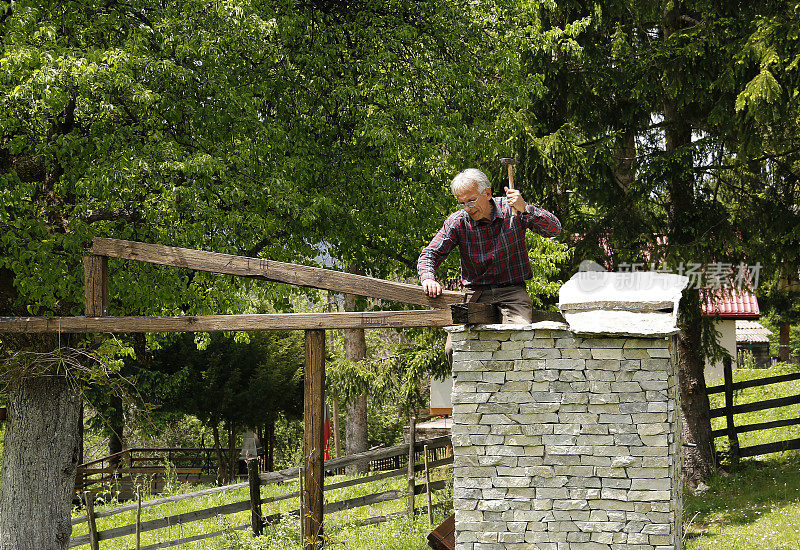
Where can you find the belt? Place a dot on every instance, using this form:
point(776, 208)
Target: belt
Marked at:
point(491, 287)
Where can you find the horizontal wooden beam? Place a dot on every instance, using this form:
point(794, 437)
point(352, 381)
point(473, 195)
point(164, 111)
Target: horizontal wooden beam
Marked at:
point(757, 427)
point(774, 447)
point(756, 382)
point(220, 323)
point(294, 274)
point(757, 406)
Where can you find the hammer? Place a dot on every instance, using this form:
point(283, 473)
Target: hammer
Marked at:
point(510, 163)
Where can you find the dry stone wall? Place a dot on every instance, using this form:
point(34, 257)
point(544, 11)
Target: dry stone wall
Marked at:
point(565, 442)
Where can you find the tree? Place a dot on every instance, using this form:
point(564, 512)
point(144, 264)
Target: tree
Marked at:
point(644, 115)
point(249, 128)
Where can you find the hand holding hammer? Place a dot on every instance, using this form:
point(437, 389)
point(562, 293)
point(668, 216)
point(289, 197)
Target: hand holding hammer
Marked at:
point(513, 196)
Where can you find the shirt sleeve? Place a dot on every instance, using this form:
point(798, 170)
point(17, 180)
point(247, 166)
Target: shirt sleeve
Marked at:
point(435, 253)
point(541, 221)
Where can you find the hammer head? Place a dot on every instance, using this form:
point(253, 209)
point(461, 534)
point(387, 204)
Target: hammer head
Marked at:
point(507, 161)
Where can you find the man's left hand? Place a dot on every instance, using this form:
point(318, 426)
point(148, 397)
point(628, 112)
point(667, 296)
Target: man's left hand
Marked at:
point(515, 200)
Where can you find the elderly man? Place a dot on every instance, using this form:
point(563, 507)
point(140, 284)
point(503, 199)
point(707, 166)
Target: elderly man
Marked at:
point(491, 240)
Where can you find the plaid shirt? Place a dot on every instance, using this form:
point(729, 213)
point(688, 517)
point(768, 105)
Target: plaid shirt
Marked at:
point(493, 252)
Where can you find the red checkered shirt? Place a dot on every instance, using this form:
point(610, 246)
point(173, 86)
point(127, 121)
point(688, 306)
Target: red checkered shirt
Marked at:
point(493, 251)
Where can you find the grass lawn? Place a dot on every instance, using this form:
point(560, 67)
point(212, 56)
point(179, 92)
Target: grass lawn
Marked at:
point(756, 506)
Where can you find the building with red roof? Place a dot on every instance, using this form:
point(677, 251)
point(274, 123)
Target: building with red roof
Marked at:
point(726, 306)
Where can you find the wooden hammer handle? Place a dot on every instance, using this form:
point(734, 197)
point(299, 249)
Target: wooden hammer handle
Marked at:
point(510, 163)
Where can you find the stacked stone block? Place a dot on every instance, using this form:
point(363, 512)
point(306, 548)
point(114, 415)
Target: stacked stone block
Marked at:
point(565, 442)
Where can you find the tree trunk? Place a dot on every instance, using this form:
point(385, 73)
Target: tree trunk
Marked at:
point(624, 160)
point(80, 432)
point(356, 433)
point(222, 471)
point(269, 446)
point(698, 462)
point(231, 453)
point(40, 456)
point(783, 350)
point(355, 349)
point(337, 448)
point(116, 425)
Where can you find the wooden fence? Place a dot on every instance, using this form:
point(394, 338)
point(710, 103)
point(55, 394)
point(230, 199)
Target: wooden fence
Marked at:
point(153, 464)
point(422, 452)
point(730, 409)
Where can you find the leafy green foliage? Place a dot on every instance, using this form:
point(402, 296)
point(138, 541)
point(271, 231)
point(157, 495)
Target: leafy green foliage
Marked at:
point(246, 384)
point(392, 375)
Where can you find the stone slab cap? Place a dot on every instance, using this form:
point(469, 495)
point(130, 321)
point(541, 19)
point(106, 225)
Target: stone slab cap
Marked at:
point(541, 325)
point(641, 303)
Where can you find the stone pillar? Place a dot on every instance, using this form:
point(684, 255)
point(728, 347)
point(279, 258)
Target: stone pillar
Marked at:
point(564, 441)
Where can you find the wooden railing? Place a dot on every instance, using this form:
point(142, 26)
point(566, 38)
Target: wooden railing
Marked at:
point(150, 463)
point(436, 447)
point(730, 409)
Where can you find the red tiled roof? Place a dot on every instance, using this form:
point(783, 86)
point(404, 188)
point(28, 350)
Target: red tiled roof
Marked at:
point(730, 304)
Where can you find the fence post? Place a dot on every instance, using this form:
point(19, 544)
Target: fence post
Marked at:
point(428, 486)
point(733, 438)
point(88, 499)
point(256, 519)
point(302, 512)
point(412, 439)
point(313, 436)
point(138, 517)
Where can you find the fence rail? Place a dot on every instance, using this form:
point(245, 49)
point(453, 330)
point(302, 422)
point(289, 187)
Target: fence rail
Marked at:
point(434, 448)
point(729, 409)
point(124, 467)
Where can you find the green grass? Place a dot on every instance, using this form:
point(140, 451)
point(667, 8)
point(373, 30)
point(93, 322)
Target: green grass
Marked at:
point(756, 506)
point(341, 528)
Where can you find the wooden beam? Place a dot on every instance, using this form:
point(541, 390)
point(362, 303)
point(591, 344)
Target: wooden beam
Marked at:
point(313, 437)
point(281, 272)
point(219, 323)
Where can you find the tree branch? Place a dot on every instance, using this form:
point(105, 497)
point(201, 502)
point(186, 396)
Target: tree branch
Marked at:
point(127, 214)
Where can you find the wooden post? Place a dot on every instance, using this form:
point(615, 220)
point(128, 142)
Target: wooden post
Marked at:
point(428, 486)
point(138, 517)
point(256, 519)
point(302, 512)
point(95, 285)
point(313, 440)
point(733, 438)
point(88, 499)
point(412, 439)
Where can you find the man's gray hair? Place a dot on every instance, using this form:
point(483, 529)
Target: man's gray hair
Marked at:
point(466, 178)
